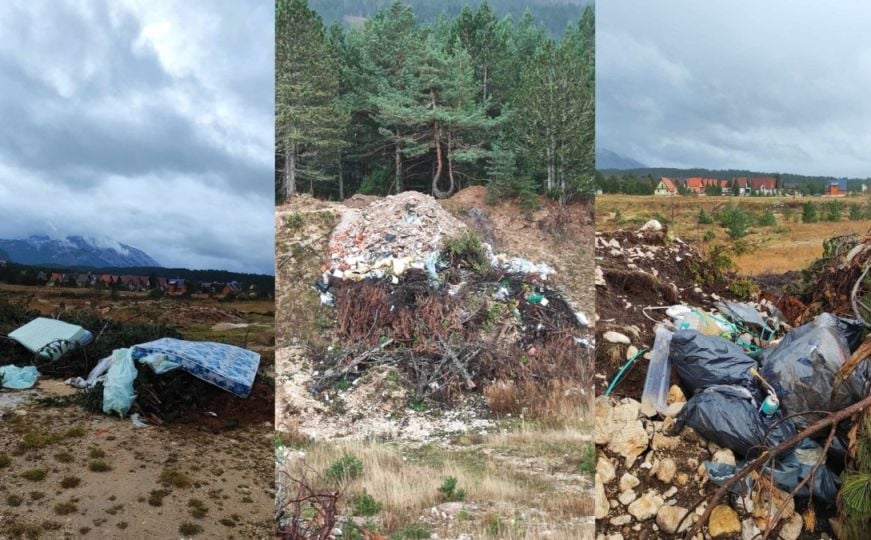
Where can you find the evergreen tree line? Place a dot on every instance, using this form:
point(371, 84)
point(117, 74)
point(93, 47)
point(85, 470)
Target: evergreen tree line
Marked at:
point(394, 105)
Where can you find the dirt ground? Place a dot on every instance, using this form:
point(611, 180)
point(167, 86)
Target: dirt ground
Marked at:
point(790, 245)
point(407, 451)
point(207, 474)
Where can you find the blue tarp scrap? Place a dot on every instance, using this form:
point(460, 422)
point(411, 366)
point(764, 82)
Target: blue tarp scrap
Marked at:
point(228, 367)
point(118, 392)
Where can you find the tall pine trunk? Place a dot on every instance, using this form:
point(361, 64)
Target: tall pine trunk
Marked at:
point(290, 172)
point(397, 157)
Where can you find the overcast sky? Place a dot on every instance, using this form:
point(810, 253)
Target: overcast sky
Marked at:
point(777, 86)
point(148, 122)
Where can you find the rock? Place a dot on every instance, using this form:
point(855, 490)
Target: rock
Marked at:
point(652, 225)
point(648, 410)
point(668, 518)
point(767, 498)
point(631, 351)
point(615, 536)
point(604, 470)
point(628, 481)
point(792, 528)
point(723, 522)
point(672, 410)
point(646, 506)
point(682, 479)
point(627, 497)
point(670, 492)
point(676, 395)
point(602, 507)
point(619, 521)
point(661, 442)
point(603, 418)
point(616, 337)
point(749, 530)
point(725, 456)
point(627, 436)
point(666, 470)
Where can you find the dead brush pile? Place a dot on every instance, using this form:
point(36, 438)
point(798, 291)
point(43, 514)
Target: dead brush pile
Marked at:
point(481, 329)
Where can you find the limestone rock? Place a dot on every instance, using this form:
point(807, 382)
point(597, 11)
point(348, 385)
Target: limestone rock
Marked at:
point(666, 470)
point(626, 497)
point(627, 438)
point(668, 518)
point(603, 415)
point(676, 395)
point(646, 506)
point(616, 337)
point(723, 522)
point(792, 528)
point(619, 521)
point(662, 442)
point(749, 530)
point(628, 481)
point(605, 470)
point(725, 456)
point(602, 507)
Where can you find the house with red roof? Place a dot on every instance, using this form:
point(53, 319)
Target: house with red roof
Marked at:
point(764, 185)
point(666, 186)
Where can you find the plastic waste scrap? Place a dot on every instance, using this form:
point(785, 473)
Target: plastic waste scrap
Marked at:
point(95, 376)
point(745, 315)
point(160, 363)
point(787, 472)
point(51, 339)
point(138, 422)
point(803, 369)
point(730, 417)
point(118, 392)
point(18, 378)
point(702, 361)
point(656, 384)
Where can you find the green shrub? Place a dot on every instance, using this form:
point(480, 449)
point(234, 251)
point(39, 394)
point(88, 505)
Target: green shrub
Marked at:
point(809, 213)
point(834, 210)
point(346, 467)
point(709, 235)
point(449, 492)
point(588, 465)
point(743, 288)
point(855, 212)
point(704, 218)
point(365, 505)
point(767, 218)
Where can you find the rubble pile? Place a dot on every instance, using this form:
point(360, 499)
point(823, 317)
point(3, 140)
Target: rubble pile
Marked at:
point(415, 292)
point(725, 382)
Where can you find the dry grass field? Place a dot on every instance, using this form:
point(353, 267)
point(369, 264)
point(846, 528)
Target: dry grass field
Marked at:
point(787, 245)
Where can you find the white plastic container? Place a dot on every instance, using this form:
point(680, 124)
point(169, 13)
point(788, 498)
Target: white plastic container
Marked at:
point(658, 371)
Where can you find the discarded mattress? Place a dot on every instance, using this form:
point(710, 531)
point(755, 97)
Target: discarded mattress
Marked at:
point(228, 367)
point(18, 378)
point(51, 338)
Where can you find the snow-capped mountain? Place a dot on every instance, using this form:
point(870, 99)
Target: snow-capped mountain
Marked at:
point(74, 251)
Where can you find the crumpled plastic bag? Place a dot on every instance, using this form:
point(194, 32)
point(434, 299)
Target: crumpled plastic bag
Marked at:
point(18, 378)
point(703, 361)
point(803, 370)
point(118, 393)
point(788, 471)
point(729, 416)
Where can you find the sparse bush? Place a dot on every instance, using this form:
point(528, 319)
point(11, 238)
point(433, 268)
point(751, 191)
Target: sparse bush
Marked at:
point(767, 218)
point(99, 465)
point(412, 532)
point(5, 460)
point(588, 465)
point(709, 235)
point(855, 213)
point(346, 467)
point(70, 482)
point(736, 220)
point(704, 218)
point(175, 478)
point(834, 210)
point(34, 475)
point(365, 505)
point(189, 529)
point(467, 248)
point(14, 500)
point(809, 213)
point(449, 492)
point(743, 288)
point(65, 508)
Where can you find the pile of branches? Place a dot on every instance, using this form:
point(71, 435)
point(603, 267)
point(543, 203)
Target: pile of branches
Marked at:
point(839, 282)
point(480, 325)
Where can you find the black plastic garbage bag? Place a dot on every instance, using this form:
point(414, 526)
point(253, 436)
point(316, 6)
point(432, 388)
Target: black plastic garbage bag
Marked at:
point(804, 366)
point(702, 361)
point(853, 330)
point(729, 416)
point(787, 472)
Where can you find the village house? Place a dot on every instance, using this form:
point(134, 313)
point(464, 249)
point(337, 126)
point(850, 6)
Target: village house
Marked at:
point(764, 185)
point(666, 186)
point(836, 188)
point(698, 184)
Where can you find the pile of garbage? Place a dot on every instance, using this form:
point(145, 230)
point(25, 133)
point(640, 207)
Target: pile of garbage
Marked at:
point(400, 232)
point(714, 387)
point(414, 290)
point(178, 370)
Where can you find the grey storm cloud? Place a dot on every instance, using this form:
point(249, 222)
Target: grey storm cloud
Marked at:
point(779, 86)
point(147, 122)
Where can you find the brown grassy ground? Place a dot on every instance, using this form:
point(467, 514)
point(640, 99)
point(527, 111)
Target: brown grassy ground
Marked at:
point(229, 467)
point(789, 245)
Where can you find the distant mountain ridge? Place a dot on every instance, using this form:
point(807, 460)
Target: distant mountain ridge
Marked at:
point(609, 160)
point(75, 251)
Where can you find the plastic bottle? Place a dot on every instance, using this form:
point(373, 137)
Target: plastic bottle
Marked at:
point(658, 371)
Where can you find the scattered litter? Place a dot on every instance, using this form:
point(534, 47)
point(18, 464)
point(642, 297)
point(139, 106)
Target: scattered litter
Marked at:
point(137, 421)
point(18, 378)
point(702, 361)
point(656, 383)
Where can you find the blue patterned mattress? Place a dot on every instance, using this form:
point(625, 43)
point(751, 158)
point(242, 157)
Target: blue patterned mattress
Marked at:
point(228, 367)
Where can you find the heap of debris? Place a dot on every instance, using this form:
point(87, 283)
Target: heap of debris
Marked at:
point(417, 293)
point(736, 423)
